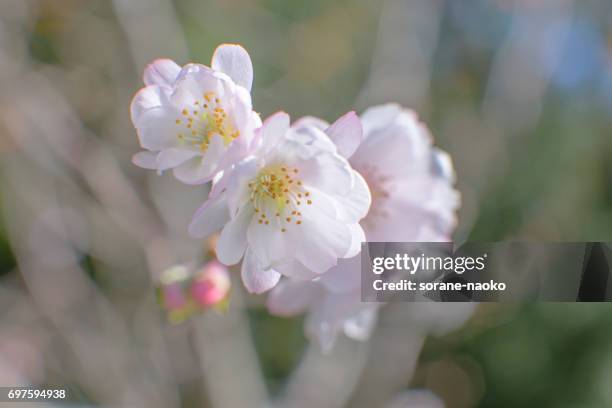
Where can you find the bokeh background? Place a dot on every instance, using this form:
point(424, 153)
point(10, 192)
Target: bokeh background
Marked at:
point(519, 92)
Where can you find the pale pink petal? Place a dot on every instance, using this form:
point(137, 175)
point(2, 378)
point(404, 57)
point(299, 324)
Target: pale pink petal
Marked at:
point(233, 241)
point(290, 297)
point(295, 270)
point(344, 277)
point(357, 238)
point(234, 61)
point(271, 245)
point(156, 129)
point(311, 140)
point(210, 217)
point(237, 186)
point(145, 159)
point(147, 98)
point(354, 206)
point(173, 157)
point(201, 169)
point(313, 121)
point(400, 150)
point(192, 172)
point(255, 278)
point(328, 172)
point(378, 117)
point(162, 72)
point(273, 130)
point(324, 240)
point(346, 133)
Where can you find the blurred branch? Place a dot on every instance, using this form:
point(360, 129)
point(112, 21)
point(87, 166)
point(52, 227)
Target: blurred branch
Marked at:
point(152, 29)
point(326, 380)
point(401, 64)
point(232, 377)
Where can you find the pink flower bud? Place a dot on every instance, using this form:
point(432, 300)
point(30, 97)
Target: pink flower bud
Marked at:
point(211, 284)
point(174, 296)
point(172, 288)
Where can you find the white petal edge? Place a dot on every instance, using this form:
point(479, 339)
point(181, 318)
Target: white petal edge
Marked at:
point(210, 217)
point(233, 240)
point(377, 117)
point(291, 297)
point(235, 62)
point(170, 158)
point(162, 72)
point(255, 279)
point(346, 133)
point(272, 131)
point(145, 159)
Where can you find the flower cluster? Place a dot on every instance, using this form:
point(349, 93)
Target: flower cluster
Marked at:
point(293, 202)
point(184, 290)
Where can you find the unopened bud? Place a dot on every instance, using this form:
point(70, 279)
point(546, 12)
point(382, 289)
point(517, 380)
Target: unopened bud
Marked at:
point(211, 284)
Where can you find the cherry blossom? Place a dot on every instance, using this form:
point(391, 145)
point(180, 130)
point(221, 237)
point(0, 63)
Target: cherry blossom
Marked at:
point(196, 120)
point(413, 200)
point(291, 208)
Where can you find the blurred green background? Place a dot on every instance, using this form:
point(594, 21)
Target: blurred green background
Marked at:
point(518, 92)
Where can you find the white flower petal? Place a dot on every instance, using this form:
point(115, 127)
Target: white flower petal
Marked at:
point(272, 131)
point(291, 297)
point(346, 133)
point(357, 238)
point(162, 72)
point(328, 172)
point(147, 98)
point(234, 61)
point(201, 169)
point(344, 277)
point(406, 219)
point(191, 87)
point(145, 159)
point(311, 140)
point(394, 154)
point(325, 239)
point(295, 270)
point(255, 278)
point(156, 129)
point(269, 243)
point(233, 240)
point(313, 121)
point(212, 156)
point(210, 217)
point(355, 206)
point(173, 157)
point(192, 171)
point(237, 186)
point(378, 117)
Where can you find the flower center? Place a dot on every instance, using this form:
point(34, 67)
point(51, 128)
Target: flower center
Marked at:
point(277, 195)
point(380, 189)
point(204, 119)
